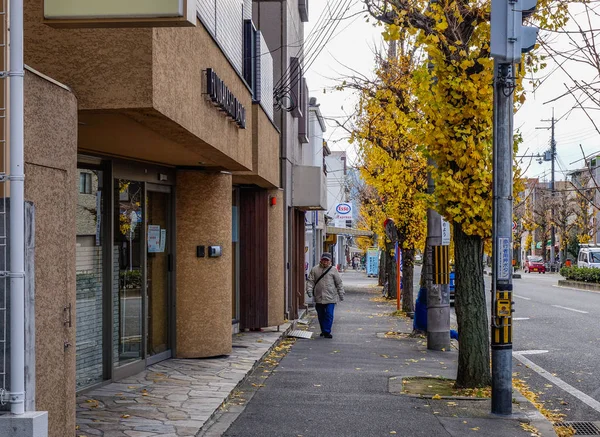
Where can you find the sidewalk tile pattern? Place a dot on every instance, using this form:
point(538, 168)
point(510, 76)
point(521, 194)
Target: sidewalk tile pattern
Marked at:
point(173, 398)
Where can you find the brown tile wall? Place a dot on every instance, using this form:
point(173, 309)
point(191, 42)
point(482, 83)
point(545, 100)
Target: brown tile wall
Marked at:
point(51, 184)
point(204, 285)
point(276, 260)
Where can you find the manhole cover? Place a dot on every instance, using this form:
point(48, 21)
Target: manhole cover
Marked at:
point(300, 334)
point(581, 428)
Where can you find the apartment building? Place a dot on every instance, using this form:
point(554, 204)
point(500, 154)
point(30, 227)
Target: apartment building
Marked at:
point(303, 183)
point(153, 164)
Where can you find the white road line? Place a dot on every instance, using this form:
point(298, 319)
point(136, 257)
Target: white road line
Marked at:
point(521, 297)
point(591, 402)
point(520, 318)
point(530, 352)
point(570, 309)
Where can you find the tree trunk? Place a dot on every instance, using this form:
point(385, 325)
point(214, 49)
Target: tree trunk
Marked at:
point(471, 312)
point(381, 271)
point(408, 268)
point(390, 268)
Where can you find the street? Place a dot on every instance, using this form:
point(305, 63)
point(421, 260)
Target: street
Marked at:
point(564, 324)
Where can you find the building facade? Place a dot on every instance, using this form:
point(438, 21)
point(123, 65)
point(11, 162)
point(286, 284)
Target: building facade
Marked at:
point(153, 164)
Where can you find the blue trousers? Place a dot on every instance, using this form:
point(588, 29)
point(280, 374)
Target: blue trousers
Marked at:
point(325, 313)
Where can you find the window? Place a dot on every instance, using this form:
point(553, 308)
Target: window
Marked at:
point(85, 183)
point(252, 58)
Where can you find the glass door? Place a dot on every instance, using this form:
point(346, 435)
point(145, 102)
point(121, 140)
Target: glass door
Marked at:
point(128, 290)
point(158, 296)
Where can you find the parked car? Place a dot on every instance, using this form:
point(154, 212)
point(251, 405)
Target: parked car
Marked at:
point(589, 256)
point(535, 263)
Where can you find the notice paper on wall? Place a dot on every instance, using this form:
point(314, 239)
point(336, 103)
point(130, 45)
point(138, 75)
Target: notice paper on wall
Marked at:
point(154, 239)
point(163, 240)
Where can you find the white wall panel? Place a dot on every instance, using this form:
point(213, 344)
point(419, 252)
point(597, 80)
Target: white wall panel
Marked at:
point(266, 78)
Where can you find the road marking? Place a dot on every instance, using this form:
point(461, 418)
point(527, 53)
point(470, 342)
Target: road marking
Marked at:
point(521, 297)
point(570, 309)
point(589, 401)
point(530, 352)
point(520, 318)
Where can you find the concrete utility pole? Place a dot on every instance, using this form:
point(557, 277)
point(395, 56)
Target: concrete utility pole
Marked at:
point(552, 188)
point(502, 286)
point(436, 280)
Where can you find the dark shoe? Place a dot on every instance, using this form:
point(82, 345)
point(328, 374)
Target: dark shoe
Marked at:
point(321, 334)
point(326, 335)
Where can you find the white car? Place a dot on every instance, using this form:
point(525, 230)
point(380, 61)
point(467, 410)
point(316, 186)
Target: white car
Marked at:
point(589, 256)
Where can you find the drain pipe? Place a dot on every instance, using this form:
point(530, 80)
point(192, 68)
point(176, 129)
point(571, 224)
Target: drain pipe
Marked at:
point(17, 212)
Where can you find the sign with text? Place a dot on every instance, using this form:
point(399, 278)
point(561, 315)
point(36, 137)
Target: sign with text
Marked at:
point(224, 99)
point(445, 233)
point(343, 211)
point(78, 9)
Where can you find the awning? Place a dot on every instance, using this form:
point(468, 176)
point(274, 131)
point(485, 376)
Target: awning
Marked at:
point(348, 231)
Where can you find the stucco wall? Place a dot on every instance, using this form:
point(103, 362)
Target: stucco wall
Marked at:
point(204, 285)
point(180, 59)
point(276, 260)
point(266, 147)
point(106, 68)
point(51, 184)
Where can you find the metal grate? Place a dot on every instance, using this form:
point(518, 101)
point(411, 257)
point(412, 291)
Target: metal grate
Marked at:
point(300, 334)
point(581, 428)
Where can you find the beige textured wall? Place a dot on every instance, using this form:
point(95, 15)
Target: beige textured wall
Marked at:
point(180, 58)
point(266, 146)
point(51, 184)
point(203, 290)
point(106, 68)
point(276, 260)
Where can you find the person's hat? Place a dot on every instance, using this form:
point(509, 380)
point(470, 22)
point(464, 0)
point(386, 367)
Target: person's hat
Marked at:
point(326, 255)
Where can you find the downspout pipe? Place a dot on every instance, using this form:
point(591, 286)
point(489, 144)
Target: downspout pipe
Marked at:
point(17, 212)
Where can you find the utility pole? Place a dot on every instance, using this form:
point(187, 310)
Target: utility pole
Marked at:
point(509, 39)
point(552, 187)
point(502, 286)
point(437, 278)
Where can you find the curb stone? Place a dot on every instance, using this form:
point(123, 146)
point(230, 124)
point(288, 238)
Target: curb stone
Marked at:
point(214, 416)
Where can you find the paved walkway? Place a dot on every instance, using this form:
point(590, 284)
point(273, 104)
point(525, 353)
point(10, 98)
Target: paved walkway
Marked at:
point(173, 398)
point(351, 385)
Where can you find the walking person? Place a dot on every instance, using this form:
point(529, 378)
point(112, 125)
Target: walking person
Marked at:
point(325, 283)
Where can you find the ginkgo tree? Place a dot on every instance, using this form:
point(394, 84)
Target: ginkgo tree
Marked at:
point(455, 94)
point(391, 160)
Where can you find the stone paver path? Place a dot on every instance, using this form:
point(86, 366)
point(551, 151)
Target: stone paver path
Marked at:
point(173, 398)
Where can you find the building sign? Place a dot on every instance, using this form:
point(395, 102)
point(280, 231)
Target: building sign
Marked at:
point(77, 9)
point(224, 99)
point(343, 211)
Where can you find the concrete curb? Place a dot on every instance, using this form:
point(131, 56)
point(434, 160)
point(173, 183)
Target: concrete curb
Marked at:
point(578, 285)
point(211, 420)
point(535, 418)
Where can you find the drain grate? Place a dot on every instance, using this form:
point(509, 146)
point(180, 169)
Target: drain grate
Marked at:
point(581, 428)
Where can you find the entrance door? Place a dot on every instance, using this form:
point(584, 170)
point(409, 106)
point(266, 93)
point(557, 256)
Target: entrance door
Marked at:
point(158, 296)
point(128, 290)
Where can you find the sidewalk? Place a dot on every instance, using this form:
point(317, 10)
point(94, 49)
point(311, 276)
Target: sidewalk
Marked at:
point(174, 398)
point(352, 385)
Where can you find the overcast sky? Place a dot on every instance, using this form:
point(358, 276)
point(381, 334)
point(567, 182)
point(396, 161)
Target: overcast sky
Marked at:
point(352, 46)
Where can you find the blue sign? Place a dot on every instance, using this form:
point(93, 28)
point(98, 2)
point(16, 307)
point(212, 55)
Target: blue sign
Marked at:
point(372, 261)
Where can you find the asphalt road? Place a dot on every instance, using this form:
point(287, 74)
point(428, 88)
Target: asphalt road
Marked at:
point(563, 322)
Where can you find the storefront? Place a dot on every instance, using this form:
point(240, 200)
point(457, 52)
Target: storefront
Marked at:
point(124, 268)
